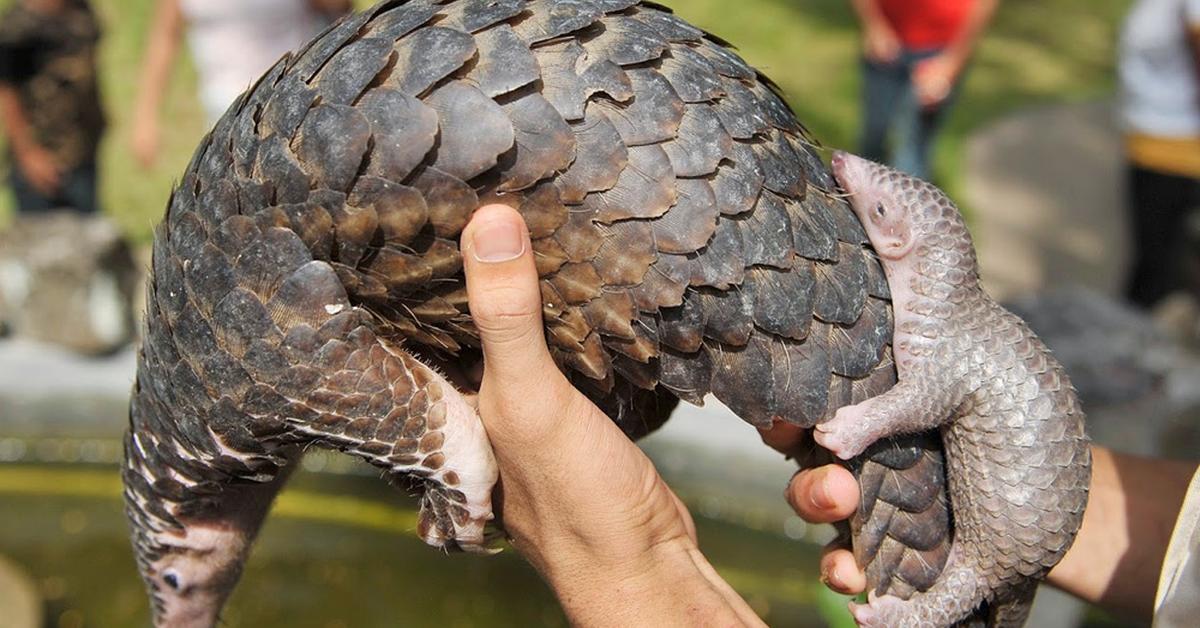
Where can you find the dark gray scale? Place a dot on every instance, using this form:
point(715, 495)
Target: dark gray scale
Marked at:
point(428, 56)
point(550, 19)
point(692, 156)
point(407, 127)
point(600, 158)
point(646, 188)
point(624, 41)
point(505, 62)
point(475, 15)
point(652, 116)
point(693, 76)
point(688, 237)
point(692, 221)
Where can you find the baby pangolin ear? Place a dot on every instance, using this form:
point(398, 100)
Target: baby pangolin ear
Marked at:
point(895, 244)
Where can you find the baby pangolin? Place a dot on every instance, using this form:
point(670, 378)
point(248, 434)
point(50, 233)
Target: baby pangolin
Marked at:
point(1018, 458)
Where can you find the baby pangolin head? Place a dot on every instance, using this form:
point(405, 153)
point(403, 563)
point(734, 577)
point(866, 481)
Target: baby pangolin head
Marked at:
point(898, 211)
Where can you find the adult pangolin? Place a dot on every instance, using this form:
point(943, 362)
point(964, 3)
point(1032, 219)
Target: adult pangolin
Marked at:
point(307, 275)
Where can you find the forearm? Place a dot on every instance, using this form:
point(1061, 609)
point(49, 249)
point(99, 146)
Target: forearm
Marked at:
point(161, 49)
point(869, 12)
point(1118, 554)
point(16, 123)
point(973, 28)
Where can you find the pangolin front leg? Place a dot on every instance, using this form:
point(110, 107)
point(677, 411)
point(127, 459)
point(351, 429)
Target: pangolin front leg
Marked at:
point(909, 407)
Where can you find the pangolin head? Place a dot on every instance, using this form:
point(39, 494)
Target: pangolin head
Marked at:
point(897, 210)
point(189, 561)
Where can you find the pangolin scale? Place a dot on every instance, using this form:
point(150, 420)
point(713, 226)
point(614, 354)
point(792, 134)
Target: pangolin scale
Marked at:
point(307, 273)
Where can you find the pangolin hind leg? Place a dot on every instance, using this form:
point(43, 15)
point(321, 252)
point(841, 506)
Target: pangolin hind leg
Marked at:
point(961, 589)
point(384, 405)
point(1013, 611)
point(323, 371)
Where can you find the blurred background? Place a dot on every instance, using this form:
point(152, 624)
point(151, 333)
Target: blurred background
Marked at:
point(1031, 147)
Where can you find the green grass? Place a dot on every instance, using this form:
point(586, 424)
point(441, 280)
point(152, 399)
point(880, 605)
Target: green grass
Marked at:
point(1037, 52)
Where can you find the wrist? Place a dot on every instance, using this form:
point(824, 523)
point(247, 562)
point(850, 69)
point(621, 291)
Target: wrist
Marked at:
point(878, 26)
point(669, 584)
point(960, 51)
point(573, 569)
point(145, 114)
point(557, 531)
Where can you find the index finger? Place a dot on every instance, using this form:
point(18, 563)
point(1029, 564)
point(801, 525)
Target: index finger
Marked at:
point(824, 495)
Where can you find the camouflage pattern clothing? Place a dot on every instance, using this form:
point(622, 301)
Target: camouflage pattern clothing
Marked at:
point(51, 60)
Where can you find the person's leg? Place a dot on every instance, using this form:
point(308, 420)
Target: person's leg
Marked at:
point(1191, 241)
point(917, 127)
point(883, 86)
point(1158, 203)
point(79, 190)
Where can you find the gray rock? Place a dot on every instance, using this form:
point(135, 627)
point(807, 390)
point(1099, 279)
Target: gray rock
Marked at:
point(67, 279)
point(1045, 187)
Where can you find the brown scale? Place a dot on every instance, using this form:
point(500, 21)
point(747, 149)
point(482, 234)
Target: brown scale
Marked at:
point(688, 239)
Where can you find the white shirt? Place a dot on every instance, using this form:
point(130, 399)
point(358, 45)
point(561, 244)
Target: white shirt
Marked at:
point(234, 41)
point(1159, 91)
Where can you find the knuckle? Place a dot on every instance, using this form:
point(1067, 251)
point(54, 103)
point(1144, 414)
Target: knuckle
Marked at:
point(505, 305)
point(509, 328)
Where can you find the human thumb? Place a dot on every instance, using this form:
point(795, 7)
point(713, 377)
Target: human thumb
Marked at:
point(505, 298)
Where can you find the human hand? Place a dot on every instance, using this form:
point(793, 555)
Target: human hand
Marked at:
point(38, 166)
point(880, 42)
point(825, 494)
point(934, 78)
point(579, 500)
point(145, 141)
